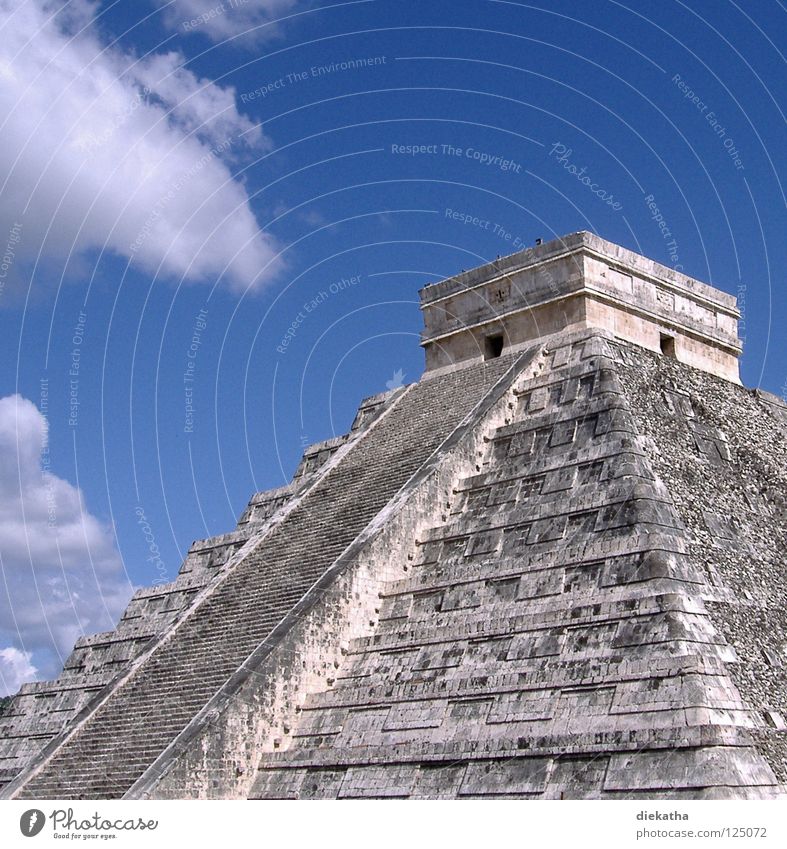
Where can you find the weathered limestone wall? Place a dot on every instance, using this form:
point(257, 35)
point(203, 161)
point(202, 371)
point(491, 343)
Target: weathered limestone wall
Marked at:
point(519, 330)
point(722, 452)
point(579, 281)
point(553, 638)
point(637, 303)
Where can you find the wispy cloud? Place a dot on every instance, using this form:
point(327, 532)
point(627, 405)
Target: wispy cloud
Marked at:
point(60, 573)
point(15, 670)
point(104, 150)
point(218, 20)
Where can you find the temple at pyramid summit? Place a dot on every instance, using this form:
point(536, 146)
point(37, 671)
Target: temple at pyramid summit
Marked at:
point(553, 568)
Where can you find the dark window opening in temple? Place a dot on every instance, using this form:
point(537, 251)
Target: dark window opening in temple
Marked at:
point(494, 346)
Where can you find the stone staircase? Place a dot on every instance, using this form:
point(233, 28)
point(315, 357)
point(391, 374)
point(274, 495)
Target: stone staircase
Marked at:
point(184, 642)
point(41, 710)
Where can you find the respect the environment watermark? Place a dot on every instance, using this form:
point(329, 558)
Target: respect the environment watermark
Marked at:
point(666, 233)
point(191, 24)
point(493, 227)
point(312, 73)
point(544, 274)
point(172, 192)
point(46, 459)
point(741, 302)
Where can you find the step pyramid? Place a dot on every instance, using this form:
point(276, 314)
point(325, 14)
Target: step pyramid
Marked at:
point(553, 568)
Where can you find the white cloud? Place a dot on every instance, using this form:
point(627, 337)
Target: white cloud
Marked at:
point(60, 573)
point(222, 19)
point(15, 670)
point(104, 150)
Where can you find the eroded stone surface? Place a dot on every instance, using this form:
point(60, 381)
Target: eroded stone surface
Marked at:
point(566, 631)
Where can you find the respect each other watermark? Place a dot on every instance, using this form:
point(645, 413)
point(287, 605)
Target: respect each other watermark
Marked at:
point(313, 304)
point(74, 370)
point(710, 116)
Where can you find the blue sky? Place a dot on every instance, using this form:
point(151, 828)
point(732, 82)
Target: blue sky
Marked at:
point(292, 207)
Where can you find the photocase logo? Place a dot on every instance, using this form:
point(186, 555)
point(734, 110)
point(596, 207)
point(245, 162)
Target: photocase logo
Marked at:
point(31, 822)
point(396, 381)
point(65, 823)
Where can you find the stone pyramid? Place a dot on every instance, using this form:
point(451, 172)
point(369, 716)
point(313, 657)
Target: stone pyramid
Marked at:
point(553, 568)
